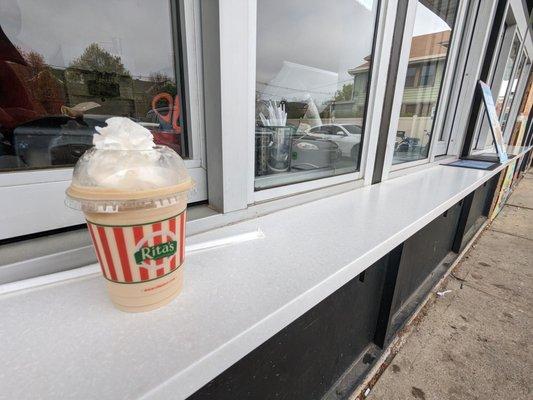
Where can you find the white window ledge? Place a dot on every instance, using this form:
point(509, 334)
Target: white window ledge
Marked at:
point(64, 338)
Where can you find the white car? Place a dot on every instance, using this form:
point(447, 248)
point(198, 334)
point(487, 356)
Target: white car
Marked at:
point(347, 137)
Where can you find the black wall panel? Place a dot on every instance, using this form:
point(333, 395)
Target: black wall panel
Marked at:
point(481, 203)
point(306, 358)
point(423, 252)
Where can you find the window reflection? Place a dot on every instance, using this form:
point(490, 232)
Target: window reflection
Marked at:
point(519, 129)
point(427, 60)
point(509, 66)
point(512, 90)
point(62, 74)
point(311, 91)
point(487, 140)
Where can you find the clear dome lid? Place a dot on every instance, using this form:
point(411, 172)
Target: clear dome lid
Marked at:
point(116, 180)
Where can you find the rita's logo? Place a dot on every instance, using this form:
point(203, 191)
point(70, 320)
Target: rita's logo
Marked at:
point(145, 253)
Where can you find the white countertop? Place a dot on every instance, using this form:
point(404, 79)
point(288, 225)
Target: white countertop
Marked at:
point(65, 340)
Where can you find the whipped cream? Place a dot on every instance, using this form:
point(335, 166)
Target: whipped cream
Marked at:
point(129, 172)
point(125, 158)
point(123, 134)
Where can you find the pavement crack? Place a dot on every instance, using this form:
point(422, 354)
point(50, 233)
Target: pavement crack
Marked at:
point(510, 234)
point(516, 206)
point(494, 296)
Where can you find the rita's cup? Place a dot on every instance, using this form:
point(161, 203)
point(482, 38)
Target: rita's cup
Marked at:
point(135, 204)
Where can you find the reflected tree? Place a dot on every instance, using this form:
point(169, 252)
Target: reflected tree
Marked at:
point(344, 94)
point(43, 86)
point(96, 59)
point(162, 83)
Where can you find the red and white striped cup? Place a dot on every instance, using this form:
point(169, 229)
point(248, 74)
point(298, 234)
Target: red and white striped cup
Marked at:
point(141, 254)
point(136, 219)
point(141, 262)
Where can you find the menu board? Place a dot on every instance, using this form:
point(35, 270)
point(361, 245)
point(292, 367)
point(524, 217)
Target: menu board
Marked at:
point(494, 123)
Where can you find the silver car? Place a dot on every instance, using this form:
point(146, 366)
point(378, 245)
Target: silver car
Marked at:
point(347, 136)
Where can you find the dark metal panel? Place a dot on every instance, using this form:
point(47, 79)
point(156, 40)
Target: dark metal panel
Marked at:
point(475, 210)
point(389, 287)
point(306, 358)
point(479, 209)
point(461, 225)
point(422, 253)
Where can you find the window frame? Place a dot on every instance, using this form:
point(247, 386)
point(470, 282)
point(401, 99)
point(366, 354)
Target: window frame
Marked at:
point(380, 50)
point(390, 170)
point(514, 103)
point(469, 66)
point(510, 33)
point(516, 14)
point(23, 216)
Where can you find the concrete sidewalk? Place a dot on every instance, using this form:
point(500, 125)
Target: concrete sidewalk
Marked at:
point(476, 342)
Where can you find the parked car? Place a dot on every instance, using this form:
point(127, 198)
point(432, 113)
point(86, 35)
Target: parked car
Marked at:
point(54, 140)
point(294, 152)
point(310, 152)
point(346, 136)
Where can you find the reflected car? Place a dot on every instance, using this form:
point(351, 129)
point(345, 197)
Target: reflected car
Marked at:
point(310, 152)
point(346, 136)
point(54, 140)
point(297, 151)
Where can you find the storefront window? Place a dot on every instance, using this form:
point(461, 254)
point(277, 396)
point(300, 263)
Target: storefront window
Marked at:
point(509, 66)
point(519, 133)
point(434, 22)
point(486, 140)
point(313, 65)
point(512, 91)
point(65, 67)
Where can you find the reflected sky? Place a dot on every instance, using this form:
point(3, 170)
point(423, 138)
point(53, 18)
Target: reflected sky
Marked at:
point(313, 33)
point(136, 30)
point(312, 44)
point(426, 22)
point(307, 32)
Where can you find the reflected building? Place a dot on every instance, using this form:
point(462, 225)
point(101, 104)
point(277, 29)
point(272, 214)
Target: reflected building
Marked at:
point(427, 60)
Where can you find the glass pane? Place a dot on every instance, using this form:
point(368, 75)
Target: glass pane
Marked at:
point(520, 124)
point(507, 75)
point(512, 90)
point(63, 73)
point(313, 62)
point(434, 22)
point(502, 92)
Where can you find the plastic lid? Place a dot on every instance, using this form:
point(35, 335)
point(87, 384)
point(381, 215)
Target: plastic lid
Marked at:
point(118, 180)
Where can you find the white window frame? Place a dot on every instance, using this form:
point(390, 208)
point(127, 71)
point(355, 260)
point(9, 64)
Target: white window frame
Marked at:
point(496, 77)
point(463, 76)
point(518, 29)
point(477, 40)
point(435, 149)
point(517, 98)
point(438, 146)
point(33, 201)
point(246, 10)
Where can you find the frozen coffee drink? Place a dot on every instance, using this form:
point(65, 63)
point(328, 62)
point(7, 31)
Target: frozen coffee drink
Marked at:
point(134, 197)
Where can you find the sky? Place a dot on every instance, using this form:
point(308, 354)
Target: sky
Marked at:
point(138, 31)
point(310, 33)
point(427, 21)
point(298, 39)
point(302, 42)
